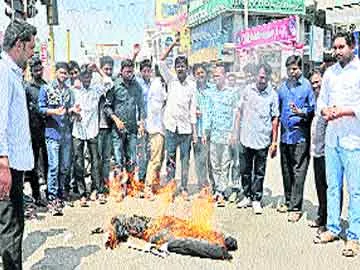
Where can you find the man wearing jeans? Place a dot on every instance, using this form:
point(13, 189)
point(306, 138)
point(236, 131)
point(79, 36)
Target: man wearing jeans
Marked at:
point(260, 122)
point(56, 102)
point(16, 154)
point(179, 117)
point(339, 104)
point(297, 103)
point(125, 106)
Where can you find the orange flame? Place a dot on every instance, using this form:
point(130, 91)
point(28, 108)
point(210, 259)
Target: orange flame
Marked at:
point(123, 184)
point(198, 225)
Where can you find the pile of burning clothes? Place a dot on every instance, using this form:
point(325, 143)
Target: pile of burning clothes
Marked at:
point(172, 234)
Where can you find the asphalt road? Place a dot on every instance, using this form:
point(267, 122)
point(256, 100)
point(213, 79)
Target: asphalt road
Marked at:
point(265, 242)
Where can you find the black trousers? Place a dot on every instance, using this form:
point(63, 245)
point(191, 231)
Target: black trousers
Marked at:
point(294, 165)
point(39, 146)
point(97, 183)
point(12, 224)
point(254, 161)
point(321, 187)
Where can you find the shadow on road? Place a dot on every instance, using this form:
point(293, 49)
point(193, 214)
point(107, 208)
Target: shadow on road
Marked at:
point(36, 239)
point(64, 258)
point(273, 201)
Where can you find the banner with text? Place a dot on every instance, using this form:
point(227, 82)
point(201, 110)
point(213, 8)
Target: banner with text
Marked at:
point(277, 31)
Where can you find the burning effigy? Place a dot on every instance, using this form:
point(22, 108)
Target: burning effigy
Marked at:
point(192, 235)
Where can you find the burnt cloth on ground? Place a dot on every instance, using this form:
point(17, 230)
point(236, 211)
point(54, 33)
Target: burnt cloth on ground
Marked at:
point(198, 248)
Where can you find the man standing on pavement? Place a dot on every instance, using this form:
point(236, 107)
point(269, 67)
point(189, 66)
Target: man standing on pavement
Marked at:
point(104, 138)
point(221, 134)
point(156, 129)
point(180, 116)
point(16, 154)
point(259, 105)
point(339, 103)
point(143, 136)
point(125, 107)
point(37, 127)
point(56, 103)
point(317, 151)
point(86, 130)
point(297, 103)
point(201, 148)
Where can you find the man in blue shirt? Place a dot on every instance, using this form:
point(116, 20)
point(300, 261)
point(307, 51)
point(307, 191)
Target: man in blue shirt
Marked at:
point(16, 155)
point(56, 102)
point(297, 103)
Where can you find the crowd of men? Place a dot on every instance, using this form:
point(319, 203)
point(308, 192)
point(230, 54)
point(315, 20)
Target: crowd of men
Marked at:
point(141, 120)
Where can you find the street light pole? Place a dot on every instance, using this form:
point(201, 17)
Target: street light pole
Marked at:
point(246, 14)
point(68, 55)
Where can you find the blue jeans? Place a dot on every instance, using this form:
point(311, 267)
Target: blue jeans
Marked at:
point(172, 141)
point(124, 145)
point(341, 162)
point(59, 160)
point(143, 154)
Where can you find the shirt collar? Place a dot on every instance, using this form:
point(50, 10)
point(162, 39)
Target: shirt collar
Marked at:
point(355, 63)
point(11, 63)
point(267, 90)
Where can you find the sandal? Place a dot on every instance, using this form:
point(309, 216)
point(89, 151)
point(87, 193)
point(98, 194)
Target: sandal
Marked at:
point(294, 217)
point(83, 202)
point(102, 199)
point(282, 208)
point(351, 248)
point(325, 237)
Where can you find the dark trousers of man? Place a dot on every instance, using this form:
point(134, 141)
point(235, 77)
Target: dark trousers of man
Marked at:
point(39, 146)
point(294, 164)
point(172, 141)
point(105, 149)
point(254, 160)
point(12, 224)
point(321, 187)
point(96, 182)
point(143, 154)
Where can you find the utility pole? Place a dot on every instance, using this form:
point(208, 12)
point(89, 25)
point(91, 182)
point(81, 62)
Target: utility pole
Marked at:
point(68, 48)
point(246, 14)
point(52, 52)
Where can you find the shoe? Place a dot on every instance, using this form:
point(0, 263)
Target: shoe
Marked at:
point(315, 223)
point(351, 248)
point(220, 202)
point(325, 237)
point(102, 199)
point(83, 202)
point(149, 194)
point(244, 203)
point(257, 208)
point(282, 208)
point(54, 209)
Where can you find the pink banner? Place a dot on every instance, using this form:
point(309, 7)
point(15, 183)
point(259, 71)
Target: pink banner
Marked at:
point(177, 21)
point(276, 31)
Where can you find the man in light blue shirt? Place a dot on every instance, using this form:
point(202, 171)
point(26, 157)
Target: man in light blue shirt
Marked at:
point(221, 127)
point(16, 155)
point(339, 104)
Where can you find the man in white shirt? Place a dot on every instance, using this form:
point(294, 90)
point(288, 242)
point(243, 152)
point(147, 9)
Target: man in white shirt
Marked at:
point(339, 104)
point(179, 117)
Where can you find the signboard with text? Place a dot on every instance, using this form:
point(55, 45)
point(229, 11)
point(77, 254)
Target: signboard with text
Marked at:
point(277, 31)
point(295, 7)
